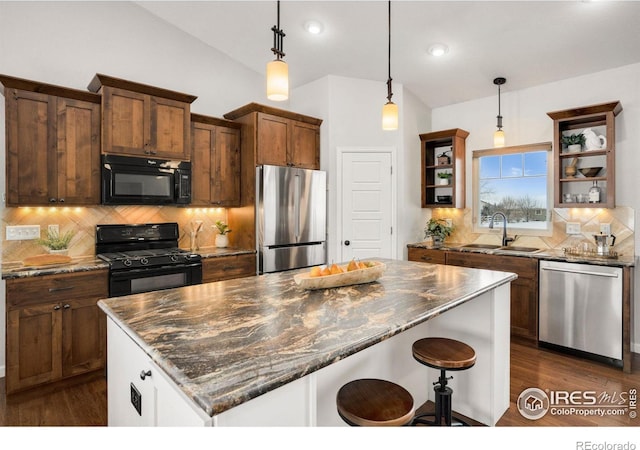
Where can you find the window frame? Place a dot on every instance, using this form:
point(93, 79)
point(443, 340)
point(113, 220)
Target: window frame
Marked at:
point(501, 151)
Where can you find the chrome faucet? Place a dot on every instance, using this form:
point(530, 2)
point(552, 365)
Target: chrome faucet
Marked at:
point(505, 239)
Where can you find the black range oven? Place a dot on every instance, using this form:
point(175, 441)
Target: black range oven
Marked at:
point(146, 257)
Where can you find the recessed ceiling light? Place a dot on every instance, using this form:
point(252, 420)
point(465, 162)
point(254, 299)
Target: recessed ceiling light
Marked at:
point(438, 49)
point(313, 26)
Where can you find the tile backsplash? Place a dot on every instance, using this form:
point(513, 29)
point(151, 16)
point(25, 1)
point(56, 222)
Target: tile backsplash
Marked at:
point(84, 220)
point(621, 218)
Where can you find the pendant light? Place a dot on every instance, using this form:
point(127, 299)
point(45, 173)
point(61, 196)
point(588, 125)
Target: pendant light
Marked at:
point(277, 70)
point(390, 109)
point(498, 136)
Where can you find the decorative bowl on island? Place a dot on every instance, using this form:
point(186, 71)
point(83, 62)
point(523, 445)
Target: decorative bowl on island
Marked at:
point(346, 278)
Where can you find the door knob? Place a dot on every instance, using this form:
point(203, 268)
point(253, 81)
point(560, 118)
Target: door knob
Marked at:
point(144, 374)
point(347, 243)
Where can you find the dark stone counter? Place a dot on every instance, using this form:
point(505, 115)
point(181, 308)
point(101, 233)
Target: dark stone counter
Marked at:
point(225, 343)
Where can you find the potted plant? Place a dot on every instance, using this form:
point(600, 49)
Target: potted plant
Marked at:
point(438, 230)
point(222, 240)
point(574, 142)
point(445, 177)
point(57, 243)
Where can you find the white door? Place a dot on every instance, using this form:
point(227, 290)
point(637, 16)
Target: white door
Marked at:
point(366, 206)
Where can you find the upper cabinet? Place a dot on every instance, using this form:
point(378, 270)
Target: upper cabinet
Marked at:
point(53, 144)
point(585, 175)
point(443, 168)
point(278, 137)
point(215, 161)
point(142, 120)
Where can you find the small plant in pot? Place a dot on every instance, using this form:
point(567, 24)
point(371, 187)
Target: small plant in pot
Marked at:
point(222, 240)
point(57, 243)
point(438, 230)
point(574, 142)
point(444, 177)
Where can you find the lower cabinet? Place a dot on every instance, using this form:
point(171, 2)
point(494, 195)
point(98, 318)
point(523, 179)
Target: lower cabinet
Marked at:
point(228, 267)
point(524, 289)
point(55, 329)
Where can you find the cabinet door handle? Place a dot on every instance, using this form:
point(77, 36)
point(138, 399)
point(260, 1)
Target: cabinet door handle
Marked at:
point(52, 200)
point(228, 267)
point(144, 374)
point(57, 307)
point(66, 288)
point(67, 306)
point(61, 200)
point(426, 258)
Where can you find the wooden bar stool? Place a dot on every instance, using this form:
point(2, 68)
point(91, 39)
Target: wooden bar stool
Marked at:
point(442, 354)
point(370, 402)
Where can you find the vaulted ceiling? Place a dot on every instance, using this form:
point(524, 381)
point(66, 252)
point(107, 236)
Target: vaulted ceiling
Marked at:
point(527, 42)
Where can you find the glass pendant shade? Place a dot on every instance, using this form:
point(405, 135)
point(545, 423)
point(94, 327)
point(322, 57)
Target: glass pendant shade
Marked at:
point(390, 116)
point(277, 80)
point(498, 138)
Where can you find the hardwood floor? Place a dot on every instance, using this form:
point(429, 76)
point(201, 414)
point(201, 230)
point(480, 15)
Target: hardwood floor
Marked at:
point(85, 404)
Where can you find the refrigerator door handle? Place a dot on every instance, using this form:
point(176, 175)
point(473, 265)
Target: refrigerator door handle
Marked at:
point(296, 206)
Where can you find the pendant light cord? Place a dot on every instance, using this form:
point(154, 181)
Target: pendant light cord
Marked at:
point(389, 90)
point(278, 38)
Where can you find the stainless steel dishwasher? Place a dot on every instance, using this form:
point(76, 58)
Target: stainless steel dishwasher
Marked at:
point(581, 310)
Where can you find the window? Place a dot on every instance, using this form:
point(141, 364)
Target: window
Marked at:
point(516, 181)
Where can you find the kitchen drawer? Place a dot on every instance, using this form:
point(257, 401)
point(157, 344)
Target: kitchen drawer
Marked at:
point(524, 267)
point(228, 267)
point(54, 288)
point(427, 255)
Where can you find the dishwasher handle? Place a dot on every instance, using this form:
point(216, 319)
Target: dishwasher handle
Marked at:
point(580, 272)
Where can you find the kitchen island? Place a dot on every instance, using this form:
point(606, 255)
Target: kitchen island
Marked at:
point(261, 351)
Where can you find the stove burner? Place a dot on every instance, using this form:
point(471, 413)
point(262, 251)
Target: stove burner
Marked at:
point(149, 258)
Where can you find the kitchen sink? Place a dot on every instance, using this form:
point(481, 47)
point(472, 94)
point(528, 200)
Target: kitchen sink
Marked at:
point(469, 247)
point(518, 249)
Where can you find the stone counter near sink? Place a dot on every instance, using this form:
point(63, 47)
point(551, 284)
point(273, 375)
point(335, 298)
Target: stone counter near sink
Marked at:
point(545, 254)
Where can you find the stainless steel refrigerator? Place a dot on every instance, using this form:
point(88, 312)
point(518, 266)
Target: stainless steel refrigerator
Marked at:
point(291, 215)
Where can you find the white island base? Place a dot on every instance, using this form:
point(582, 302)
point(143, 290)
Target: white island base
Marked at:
point(481, 392)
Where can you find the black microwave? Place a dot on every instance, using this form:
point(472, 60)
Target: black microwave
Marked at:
point(127, 180)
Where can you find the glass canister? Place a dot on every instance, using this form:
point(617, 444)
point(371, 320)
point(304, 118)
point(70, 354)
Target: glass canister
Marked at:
point(594, 193)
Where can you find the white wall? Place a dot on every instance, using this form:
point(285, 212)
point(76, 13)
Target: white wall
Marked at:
point(351, 109)
point(526, 121)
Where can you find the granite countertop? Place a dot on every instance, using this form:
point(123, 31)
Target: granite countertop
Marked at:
point(545, 254)
point(83, 264)
point(17, 270)
point(225, 343)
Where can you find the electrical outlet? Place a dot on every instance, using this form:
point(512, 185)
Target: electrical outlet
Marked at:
point(448, 222)
point(605, 228)
point(53, 229)
point(573, 228)
point(23, 232)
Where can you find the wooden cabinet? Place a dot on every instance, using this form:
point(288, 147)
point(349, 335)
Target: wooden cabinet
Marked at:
point(572, 190)
point(215, 159)
point(142, 120)
point(427, 255)
point(524, 289)
point(53, 144)
point(55, 329)
point(443, 152)
point(228, 267)
point(282, 138)
point(269, 136)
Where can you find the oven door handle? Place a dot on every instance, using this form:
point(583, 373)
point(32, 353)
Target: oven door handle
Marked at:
point(130, 273)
